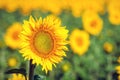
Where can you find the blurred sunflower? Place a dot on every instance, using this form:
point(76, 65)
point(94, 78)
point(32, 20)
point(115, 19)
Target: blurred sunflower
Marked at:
point(92, 23)
point(114, 11)
point(79, 41)
point(114, 17)
point(76, 7)
point(12, 62)
point(44, 41)
point(66, 67)
point(117, 68)
point(108, 47)
point(94, 5)
point(53, 6)
point(17, 77)
point(13, 7)
point(118, 60)
point(2, 3)
point(118, 77)
point(11, 36)
point(26, 8)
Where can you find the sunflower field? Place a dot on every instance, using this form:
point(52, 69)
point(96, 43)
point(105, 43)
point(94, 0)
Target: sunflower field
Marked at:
point(59, 40)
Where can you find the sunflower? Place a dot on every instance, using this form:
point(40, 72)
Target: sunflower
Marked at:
point(117, 68)
point(118, 60)
point(119, 77)
point(114, 17)
point(12, 62)
point(114, 11)
point(76, 7)
point(66, 66)
point(11, 36)
point(43, 41)
point(17, 77)
point(13, 7)
point(108, 47)
point(79, 41)
point(94, 5)
point(92, 23)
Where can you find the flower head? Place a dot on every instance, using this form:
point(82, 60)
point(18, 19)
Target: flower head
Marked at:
point(12, 62)
point(76, 7)
point(114, 11)
point(66, 66)
point(13, 7)
point(118, 60)
point(117, 68)
point(108, 47)
point(114, 17)
point(92, 23)
point(94, 5)
point(43, 41)
point(17, 77)
point(11, 36)
point(79, 41)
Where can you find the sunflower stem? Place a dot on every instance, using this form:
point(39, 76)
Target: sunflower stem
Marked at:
point(31, 70)
point(25, 77)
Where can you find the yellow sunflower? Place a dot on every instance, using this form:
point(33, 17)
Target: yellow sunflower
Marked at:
point(17, 77)
point(12, 62)
point(94, 5)
point(117, 68)
point(114, 17)
point(108, 47)
point(92, 23)
point(118, 60)
point(43, 41)
point(13, 7)
point(119, 77)
point(79, 41)
point(76, 7)
point(11, 36)
point(66, 66)
point(114, 11)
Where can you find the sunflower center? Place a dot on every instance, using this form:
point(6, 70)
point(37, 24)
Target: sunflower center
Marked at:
point(15, 35)
point(116, 17)
point(93, 24)
point(79, 41)
point(43, 42)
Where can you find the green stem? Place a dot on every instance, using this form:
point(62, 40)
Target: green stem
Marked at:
point(31, 70)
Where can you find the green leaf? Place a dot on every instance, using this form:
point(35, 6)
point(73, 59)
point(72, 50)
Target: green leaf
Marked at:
point(20, 71)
